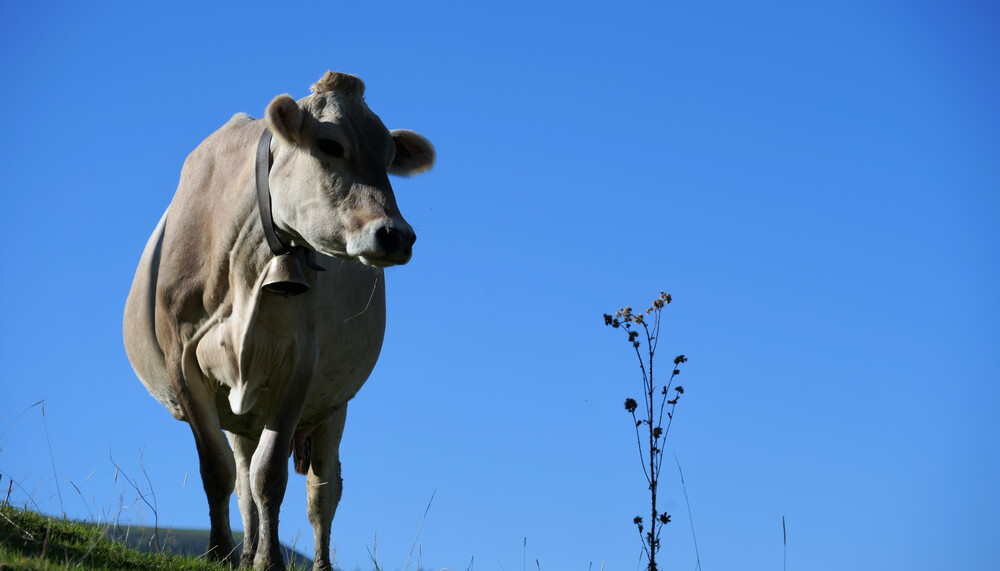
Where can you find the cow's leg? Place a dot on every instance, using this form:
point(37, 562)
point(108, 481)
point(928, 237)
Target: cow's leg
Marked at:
point(268, 478)
point(324, 484)
point(218, 466)
point(218, 475)
point(269, 467)
point(243, 449)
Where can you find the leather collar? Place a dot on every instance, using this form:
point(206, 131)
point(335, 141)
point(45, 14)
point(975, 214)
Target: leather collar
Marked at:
point(262, 168)
point(262, 171)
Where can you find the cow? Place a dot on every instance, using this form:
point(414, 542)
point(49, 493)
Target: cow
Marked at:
point(262, 366)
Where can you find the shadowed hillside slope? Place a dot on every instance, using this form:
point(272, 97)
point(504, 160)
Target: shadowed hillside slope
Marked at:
point(29, 540)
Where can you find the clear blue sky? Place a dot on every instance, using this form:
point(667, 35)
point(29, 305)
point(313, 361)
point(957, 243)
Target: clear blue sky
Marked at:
point(817, 184)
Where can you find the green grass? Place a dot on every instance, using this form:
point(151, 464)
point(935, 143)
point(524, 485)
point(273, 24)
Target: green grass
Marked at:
point(29, 540)
point(33, 541)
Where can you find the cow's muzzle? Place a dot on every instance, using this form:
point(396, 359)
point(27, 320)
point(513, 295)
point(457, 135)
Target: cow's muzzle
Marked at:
point(386, 242)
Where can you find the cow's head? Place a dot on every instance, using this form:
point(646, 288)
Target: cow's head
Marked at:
point(329, 182)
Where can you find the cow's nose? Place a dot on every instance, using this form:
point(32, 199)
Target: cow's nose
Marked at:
point(385, 242)
point(391, 240)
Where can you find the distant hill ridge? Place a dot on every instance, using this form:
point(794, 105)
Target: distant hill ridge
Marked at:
point(189, 542)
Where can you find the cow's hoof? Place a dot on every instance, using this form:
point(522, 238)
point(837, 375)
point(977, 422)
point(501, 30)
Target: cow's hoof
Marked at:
point(268, 564)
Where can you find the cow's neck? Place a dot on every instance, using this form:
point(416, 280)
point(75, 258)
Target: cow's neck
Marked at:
point(284, 273)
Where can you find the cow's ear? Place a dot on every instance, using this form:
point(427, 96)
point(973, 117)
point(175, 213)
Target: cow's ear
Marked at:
point(284, 118)
point(414, 153)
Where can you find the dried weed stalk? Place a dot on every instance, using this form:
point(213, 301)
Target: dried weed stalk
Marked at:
point(649, 421)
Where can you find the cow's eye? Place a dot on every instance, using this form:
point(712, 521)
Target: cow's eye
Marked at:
point(331, 147)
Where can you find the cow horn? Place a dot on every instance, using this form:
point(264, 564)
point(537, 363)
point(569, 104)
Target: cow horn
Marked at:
point(284, 276)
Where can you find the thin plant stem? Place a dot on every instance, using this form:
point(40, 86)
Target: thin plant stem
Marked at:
point(52, 458)
point(687, 501)
point(638, 441)
point(421, 526)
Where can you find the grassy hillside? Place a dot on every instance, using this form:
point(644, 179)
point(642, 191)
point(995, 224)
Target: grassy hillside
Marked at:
point(33, 541)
